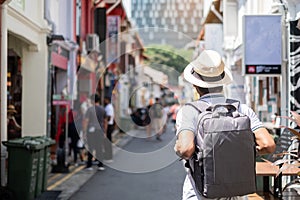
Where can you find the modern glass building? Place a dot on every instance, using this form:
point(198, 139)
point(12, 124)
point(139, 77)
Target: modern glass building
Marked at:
point(173, 22)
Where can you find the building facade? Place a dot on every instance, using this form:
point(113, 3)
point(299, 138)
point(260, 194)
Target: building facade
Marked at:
point(267, 91)
point(172, 22)
point(62, 44)
point(24, 68)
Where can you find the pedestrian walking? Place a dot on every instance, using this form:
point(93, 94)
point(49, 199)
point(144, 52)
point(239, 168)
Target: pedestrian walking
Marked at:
point(95, 126)
point(165, 117)
point(141, 117)
point(156, 114)
point(173, 114)
point(79, 120)
point(149, 125)
point(73, 134)
point(208, 75)
point(109, 109)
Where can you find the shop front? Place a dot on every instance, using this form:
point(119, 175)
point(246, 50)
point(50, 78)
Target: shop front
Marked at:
point(60, 92)
point(26, 77)
point(14, 95)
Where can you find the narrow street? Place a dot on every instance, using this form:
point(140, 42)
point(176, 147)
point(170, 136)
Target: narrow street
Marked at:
point(115, 183)
point(62, 61)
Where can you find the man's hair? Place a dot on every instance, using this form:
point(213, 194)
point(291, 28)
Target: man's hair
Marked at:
point(203, 91)
point(95, 98)
point(107, 98)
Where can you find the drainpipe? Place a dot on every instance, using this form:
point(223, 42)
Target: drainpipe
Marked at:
point(49, 97)
point(3, 90)
point(285, 82)
point(47, 16)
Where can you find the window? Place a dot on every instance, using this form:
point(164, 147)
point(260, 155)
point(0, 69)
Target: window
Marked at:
point(151, 36)
point(151, 13)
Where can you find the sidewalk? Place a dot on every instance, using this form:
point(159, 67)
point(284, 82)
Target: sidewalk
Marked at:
point(68, 183)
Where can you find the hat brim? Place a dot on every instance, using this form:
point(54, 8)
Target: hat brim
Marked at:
point(12, 111)
point(188, 76)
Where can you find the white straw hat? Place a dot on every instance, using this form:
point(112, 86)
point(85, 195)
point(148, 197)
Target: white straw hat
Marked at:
point(208, 70)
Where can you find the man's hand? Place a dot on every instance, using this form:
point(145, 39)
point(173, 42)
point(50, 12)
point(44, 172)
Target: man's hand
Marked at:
point(176, 149)
point(264, 141)
point(185, 146)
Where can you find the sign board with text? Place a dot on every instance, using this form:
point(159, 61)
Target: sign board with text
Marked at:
point(262, 40)
point(112, 41)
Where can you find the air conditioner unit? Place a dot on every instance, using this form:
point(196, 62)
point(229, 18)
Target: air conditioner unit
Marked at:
point(110, 1)
point(92, 42)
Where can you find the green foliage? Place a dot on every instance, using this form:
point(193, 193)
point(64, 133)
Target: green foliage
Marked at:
point(168, 59)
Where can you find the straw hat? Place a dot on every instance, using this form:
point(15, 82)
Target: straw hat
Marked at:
point(208, 70)
point(11, 109)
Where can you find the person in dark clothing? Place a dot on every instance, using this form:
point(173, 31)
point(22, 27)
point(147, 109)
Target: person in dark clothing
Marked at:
point(141, 117)
point(109, 110)
point(73, 135)
point(156, 114)
point(95, 126)
point(13, 128)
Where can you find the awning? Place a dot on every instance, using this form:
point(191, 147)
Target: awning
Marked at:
point(59, 61)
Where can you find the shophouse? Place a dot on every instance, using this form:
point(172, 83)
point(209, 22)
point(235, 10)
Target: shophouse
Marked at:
point(24, 67)
point(263, 83)
point(272, 88)
point(259, 83)
point(55, 54)
point(62, 44)
point(89, 39)
point(109, 53)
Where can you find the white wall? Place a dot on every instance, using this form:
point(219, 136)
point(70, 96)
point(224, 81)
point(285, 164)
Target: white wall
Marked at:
point(61, 13)
point(214, 37)
point(32, 10)
point(34, 98)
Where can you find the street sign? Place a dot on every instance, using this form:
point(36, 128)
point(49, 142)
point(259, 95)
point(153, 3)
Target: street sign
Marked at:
point(262, 42)
point(61, 97)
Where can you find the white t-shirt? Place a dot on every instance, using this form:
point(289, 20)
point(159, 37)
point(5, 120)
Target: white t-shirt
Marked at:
point(109, 109)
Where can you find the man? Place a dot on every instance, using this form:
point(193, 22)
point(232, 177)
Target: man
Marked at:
point(95, 126)
point(109, 109)
point(156, 113)
point(208, 74)
point(173, 113)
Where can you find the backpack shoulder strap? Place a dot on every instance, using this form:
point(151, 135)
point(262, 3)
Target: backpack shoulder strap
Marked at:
point(201, 106)
point(234, 102)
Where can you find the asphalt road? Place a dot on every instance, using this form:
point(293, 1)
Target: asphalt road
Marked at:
point(142, 169)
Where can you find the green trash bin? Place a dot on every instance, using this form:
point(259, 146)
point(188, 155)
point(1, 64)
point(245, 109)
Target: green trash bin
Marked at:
point(23, 158)
point(40, 167)
point(46, 162)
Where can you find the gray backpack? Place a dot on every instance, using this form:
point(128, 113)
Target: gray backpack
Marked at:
point(224, 161)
